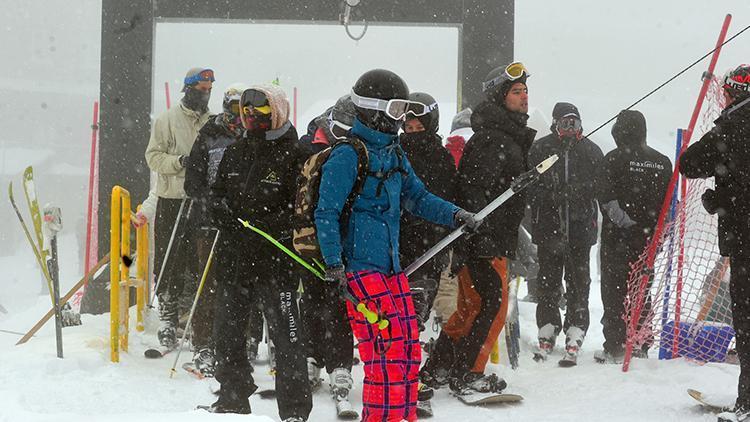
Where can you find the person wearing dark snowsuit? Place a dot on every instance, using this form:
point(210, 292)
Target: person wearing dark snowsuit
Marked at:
point(564, 226)
point(172, 138)
point(361, 251)
point(724, 153)
point(215, 136)
point(494, 156)
point(326, 329)
point(256, 182)
point(631, 184)
point(433, 164)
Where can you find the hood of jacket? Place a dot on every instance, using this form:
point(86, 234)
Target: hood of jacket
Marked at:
point(629, 130)
point(279, 103)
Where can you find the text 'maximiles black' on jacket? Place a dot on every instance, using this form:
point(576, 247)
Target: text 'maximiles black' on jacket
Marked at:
point(634, 174)
point(257, 181)
point(434, 165)
point(494, 156)
point(563, 201)
point(203, 164)
point(724, 152)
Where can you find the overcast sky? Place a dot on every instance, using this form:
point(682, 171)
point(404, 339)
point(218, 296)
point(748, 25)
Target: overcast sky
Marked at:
point(600, 55)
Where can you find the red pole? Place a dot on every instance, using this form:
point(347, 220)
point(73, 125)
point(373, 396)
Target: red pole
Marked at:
point(166, 90)
point(652, 247)
point(294, 107)
point(89, 261)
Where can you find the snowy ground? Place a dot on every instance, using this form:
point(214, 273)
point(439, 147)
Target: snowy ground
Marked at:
point(85, 386)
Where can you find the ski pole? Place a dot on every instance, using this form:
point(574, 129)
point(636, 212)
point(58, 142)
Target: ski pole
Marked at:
point(371, 316)
point(518, 184)
point(195, 302)
point(166, 254)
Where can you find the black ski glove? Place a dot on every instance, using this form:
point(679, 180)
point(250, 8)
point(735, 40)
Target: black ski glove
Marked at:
point(336, 276)
point(462, 217)
point(184, 161)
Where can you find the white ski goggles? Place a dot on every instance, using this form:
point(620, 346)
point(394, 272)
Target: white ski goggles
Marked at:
point(338, 129)
point(396, 108)
point(418, 109)
point(513, 71)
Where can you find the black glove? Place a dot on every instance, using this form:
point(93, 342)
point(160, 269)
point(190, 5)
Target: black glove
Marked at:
point(336, 277)
point(184, 160)
point(462, 217)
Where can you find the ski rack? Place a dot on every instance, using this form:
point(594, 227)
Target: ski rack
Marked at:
point(119, 271)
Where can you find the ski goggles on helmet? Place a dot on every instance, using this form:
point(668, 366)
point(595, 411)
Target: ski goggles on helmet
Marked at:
point(513, 71)
point(396, 108)
point(419, 109)
point(338, 129)
point(252, 99)
point(203, 75)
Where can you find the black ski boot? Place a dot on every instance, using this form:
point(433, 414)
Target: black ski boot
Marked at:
point(433, 377)
point(473, 382)
point(204, 361)
point(738, 414)
point(229, 402)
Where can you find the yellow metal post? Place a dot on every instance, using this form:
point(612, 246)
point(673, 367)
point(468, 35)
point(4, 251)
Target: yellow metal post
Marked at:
point(142, 275)
point(114, 274)
point(124, 284)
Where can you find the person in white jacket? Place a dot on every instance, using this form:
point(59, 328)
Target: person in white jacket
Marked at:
point(172, 138)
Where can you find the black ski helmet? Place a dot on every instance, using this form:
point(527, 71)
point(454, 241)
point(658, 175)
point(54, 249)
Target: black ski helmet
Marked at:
point(497, 92)
point(431, 120)
point(737, 82)
point(385, 85)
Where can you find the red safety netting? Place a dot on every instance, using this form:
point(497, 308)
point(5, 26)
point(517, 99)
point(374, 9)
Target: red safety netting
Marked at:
point(682, 304)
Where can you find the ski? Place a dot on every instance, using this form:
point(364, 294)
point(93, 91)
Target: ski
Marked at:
point(512, 326)
point(29, 189)
point(483, 399)
point(518, 184)
point(710, 403)
point(190, 368)
point(158, 352)
point(34, 248)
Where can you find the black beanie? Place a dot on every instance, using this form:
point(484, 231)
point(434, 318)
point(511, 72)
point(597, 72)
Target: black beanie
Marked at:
point(564, 109)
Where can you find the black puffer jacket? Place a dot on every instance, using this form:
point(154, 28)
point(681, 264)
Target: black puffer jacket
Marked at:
point(494, 156)
point(433, 164)
point(203, 164)
point(257, 181)
point(724, 152)
point(563, 201)
point(634, 174)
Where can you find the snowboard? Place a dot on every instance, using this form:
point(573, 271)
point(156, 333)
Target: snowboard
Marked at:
point(483, 399)
point(708, 402)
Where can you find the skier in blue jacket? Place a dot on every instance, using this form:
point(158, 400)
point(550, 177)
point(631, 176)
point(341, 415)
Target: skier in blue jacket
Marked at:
point(360, 246)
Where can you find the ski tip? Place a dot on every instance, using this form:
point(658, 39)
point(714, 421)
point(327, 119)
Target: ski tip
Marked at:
point(546, 164)
point(153, 354)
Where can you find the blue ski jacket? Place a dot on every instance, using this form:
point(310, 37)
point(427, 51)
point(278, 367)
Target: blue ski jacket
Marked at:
point(368, 238)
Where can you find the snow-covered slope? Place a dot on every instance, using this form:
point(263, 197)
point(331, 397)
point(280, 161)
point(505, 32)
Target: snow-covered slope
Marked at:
point(37, 386)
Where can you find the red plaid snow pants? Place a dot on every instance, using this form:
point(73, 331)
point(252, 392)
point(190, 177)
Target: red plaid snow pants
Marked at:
point(391, 356)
